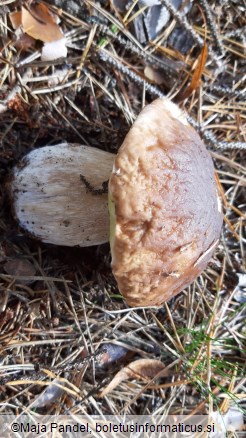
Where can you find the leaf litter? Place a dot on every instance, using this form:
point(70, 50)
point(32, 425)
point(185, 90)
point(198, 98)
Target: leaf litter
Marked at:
point(58, 323)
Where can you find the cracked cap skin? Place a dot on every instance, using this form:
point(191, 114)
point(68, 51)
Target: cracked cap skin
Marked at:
point(165, 211)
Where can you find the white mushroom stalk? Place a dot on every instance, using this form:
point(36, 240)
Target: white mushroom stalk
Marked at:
point(165, 219)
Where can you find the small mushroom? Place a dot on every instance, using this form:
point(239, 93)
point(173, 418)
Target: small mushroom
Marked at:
point(165, 216)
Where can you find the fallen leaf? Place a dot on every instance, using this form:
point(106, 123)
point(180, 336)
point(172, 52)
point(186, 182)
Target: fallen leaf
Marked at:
point(197, 74)
point(196, 77)
point(23, 41)
point(143, 369)
point(15, 18)
point(199, 68)
point(40, 24)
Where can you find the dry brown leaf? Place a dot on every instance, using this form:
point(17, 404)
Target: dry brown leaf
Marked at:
point(15, 18)
point(144, 369)
point(196, 77)
point(200, 66)
point(40, 24)
point(197, 74)
point(23, 41)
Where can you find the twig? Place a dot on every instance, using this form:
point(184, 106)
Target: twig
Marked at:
point(227, 91)
point(106, 56)
point(165, 64)
point(212, 27)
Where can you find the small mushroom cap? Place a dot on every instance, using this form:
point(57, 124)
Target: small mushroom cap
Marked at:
point(164, 203)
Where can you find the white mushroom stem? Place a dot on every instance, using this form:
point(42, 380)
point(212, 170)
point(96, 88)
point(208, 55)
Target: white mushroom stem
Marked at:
point(52, 202)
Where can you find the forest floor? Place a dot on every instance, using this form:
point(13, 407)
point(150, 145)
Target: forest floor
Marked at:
point(62, 318)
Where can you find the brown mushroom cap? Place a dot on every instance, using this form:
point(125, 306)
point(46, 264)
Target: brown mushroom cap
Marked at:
point(167, 214)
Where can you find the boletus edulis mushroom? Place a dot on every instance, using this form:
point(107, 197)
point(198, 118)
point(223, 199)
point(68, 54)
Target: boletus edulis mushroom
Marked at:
point(165, 216)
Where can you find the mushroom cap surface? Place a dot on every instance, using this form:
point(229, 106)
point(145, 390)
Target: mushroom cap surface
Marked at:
point(166, 208)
